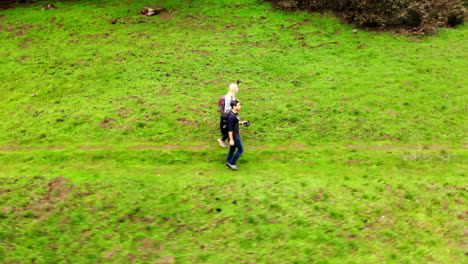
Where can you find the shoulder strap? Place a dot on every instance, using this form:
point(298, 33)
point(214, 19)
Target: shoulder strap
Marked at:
point(227, 114)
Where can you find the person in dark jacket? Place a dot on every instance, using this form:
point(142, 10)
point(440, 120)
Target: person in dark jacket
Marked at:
point(235, 141)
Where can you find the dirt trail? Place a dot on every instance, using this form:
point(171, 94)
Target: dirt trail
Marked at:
point(13, 148)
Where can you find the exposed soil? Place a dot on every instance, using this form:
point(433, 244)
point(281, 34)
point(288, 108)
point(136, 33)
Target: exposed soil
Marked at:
point(4, 5)
point(58, 191)
point(8, 148)
point(167, 15)
point(194, 147)
point(407, 147)
point(87, 147)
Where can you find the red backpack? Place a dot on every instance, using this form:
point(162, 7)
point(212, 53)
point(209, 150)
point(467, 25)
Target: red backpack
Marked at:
point(221, 102)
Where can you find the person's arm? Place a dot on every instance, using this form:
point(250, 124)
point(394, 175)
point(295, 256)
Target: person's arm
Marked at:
point(227, 102)
point(231, 138)
point(231, 121)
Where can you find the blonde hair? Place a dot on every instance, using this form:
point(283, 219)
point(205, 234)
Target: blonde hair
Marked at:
point(233, 89)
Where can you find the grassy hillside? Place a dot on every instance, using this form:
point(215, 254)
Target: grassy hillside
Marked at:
point(356, 152)
point(333, 205)
point(306, 78)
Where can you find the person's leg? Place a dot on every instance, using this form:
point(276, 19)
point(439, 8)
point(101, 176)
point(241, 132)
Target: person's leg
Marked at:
point(221, 142)
point(229, 162)
point(232, 149)
point(221, 128)
point(240, 150)
point(223, 138)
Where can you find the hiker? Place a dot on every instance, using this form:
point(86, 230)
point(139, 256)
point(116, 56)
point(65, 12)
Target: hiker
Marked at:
point(225, 102)
point(235, 141)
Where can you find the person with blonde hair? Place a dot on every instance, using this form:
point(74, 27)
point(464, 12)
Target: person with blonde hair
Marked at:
point(228, 98)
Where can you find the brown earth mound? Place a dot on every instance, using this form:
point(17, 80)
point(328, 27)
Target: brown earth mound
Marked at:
point(418, 17)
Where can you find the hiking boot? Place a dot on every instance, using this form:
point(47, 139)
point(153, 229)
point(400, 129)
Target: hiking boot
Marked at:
point(221, 143)
point(231, 166)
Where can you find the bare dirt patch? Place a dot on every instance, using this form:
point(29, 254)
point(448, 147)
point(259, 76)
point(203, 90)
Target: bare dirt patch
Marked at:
point(19, 30)
point(167, 15)
point(58, 192)
point(88, 147)
point(404, 147)
point(97, 36)
point(194, 147)
point(124, 112)
point(108, 123)
point(295, 146)
point(25, 43)
point(305, 45)
point(357, 161)
point(188, 122)
point(22, 59)
point(10, 148)
point(166, 259)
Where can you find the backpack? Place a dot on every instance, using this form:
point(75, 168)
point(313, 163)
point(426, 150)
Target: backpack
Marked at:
point(221, 102)
point(223, 125)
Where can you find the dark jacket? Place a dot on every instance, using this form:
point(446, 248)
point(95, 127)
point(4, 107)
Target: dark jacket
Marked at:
point(233, 124)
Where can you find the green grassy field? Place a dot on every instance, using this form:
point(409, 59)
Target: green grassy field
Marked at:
point(108, 154)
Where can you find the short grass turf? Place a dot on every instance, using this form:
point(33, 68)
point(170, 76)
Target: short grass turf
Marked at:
point(356, 152)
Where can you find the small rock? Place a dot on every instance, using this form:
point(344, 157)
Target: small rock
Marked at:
point(49, 7)
point(355, 31)
point(151, 11)
point(33, 95)
point(148, 219)
point(7, 209)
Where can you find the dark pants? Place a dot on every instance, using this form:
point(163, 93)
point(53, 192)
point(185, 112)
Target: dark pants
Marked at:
point(234, 155)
